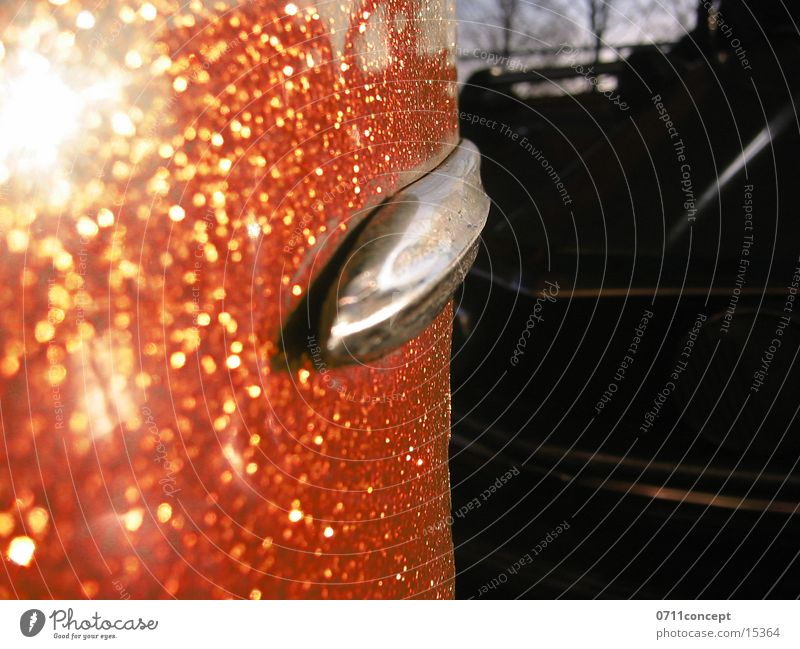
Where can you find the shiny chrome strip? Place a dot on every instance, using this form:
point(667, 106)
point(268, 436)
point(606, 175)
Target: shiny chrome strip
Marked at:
point(411, 255)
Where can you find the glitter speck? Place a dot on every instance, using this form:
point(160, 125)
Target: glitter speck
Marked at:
point(177, 213)
point(253, 229)
point(20, 550)
point(164, 512)
point(38, 519)
point(148, 12)
point(44, 331)
point(6, 523)
point(105, 218)
point(133, 59)
point(122, 124)
point(17, 240)
point(133, 519)
point(84, 20)
point(86, 227)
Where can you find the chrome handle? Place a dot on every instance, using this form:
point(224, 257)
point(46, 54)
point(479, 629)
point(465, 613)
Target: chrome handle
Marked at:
point(403, 268)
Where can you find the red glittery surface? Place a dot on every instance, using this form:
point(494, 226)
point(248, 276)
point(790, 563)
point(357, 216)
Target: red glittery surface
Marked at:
point(151, 447)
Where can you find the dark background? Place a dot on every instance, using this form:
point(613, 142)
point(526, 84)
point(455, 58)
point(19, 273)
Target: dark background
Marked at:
point(704, 501)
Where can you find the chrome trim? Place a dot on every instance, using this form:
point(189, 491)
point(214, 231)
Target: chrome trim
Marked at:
point(412, 254)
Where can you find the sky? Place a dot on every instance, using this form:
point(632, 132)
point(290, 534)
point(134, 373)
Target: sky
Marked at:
point(542, 23)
